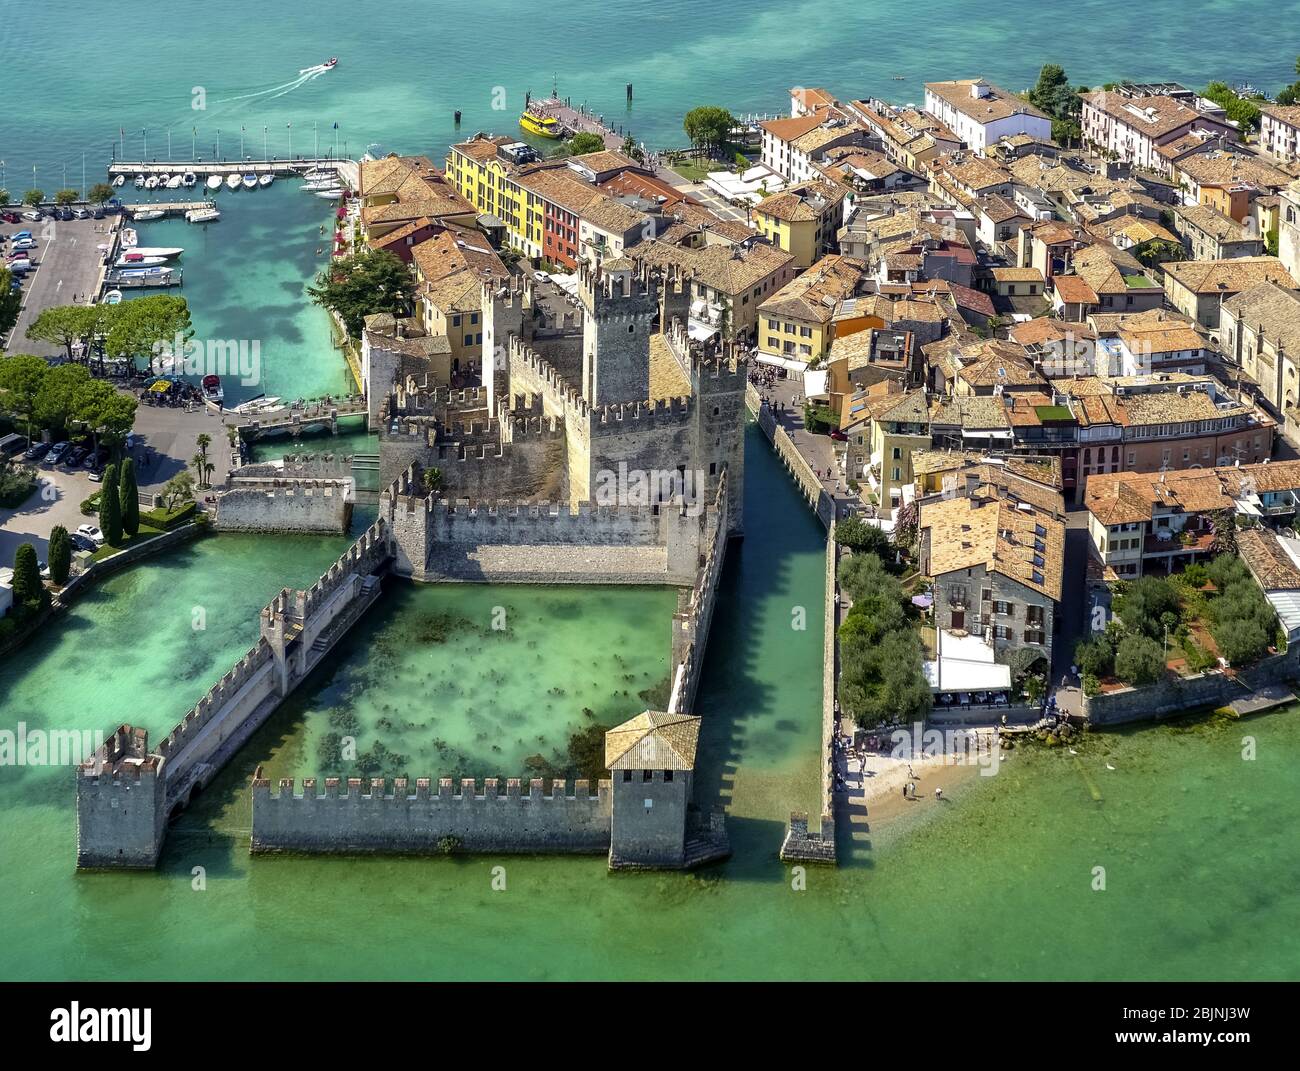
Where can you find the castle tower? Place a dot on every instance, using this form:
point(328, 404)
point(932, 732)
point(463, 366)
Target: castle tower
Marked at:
point(619, 313)
point(507, 310)
point(1288, 229)
point(718, 384)
point(652, 760)
point(121, 803)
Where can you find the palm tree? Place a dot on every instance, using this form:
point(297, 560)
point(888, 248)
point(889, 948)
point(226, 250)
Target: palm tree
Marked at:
point(203, 441)
point(199, 461)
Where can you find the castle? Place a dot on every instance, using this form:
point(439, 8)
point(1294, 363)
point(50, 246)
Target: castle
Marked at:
point(608, 405)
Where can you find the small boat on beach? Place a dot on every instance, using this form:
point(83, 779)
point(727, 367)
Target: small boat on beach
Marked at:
point(202, 215)
point(265, 180)
point(232, 181)
point(214, 182)
point(141, 214)
point(250, 181)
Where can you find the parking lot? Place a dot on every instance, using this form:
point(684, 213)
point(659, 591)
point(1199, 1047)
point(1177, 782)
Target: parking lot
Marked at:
point(67, 271)
point(56, 500)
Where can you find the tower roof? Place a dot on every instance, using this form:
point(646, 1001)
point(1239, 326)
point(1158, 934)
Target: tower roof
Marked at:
point(654, 740)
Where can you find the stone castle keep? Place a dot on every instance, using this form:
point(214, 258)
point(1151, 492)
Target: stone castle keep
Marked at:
point(541, 479)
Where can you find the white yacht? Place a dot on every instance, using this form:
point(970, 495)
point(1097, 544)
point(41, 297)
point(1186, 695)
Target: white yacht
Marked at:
point(151, 183)
point(138, 260)
point(167, 252)
point(265, 180)
point(232, 181)
point(174, 183)
point(250, 181)
point(119, 180)
point(214, 182)
point(141, 214)
point(189, 179)
point(202, 215)
point(139, 182)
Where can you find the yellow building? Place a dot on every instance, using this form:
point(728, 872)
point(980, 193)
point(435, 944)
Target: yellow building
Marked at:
point(803, 220)
point(489, 181)
point(885, 425)
point(450, 269)
point(798, 321)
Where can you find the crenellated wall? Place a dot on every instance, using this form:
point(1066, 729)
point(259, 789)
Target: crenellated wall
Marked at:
point(273, 504)
point(691, 623)
point(348, 818)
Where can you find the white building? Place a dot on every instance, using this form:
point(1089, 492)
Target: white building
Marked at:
point(1279, 131)
point(981, 113)
point(1134, 128)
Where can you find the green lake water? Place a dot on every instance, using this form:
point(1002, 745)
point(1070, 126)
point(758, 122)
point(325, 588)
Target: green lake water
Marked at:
point(1197, 843)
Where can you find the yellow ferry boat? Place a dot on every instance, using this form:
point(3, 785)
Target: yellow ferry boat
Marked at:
point(545, 126)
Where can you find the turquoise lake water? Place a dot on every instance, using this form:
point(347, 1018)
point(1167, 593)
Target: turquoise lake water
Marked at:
point(1197, 843)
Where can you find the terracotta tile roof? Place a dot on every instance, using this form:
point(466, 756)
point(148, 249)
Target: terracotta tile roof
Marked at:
point(1212, 168)
point(974, 172)
point(815, 294)
point(1001, 364)
point(1272, 308)
point(999, 104)
point(1018, 275)
point(1016, 540)
point(1154, 116)
point(1212, 222)
point(1136, 229)
point(653, 741)
point(731, 269)
point(1044, 329)
point(1167, 337)
point(1228, 276)
point(1265, 557)
point(807, 201)
point(974, 412)
point(453, 250)
point(787, 129)
point(1109, 270)
point(1283, 113)
point(1074, 290)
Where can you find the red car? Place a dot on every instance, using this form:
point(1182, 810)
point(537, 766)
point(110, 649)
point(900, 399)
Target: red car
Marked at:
point(10, 217)
point(839, 436)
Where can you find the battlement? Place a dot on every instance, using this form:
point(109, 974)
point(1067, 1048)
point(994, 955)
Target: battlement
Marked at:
point(362, 558)
point(377, 789)
point(548, 376)
point(606, 418)
point(617, 294)
point(242, 673)
point(515, 293)
point(124, 756)
point(710, 367)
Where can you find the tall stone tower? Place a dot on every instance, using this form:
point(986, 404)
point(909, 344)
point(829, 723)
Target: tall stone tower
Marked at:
point(1288, 232)
point(718, 385)
point(507, 310)
point(652, 760)
point(619, 309)
point(121, 803)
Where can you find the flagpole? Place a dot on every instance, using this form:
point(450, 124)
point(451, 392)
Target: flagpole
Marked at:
point(144, 134)
point(266, 153)
point(289, 127)
point(315, 149)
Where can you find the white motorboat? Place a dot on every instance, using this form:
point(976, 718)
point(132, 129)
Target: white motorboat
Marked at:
point(139, 182)
point(167, 252)
point(141, 214)
point(144, 273)
point(265, 180)
point(151, 183)
point(189, 179)
point(119, 180)
point(214, 182)
point(250, 181)
point(202, 215)
point(232, 181)
point(259, 407)
point(129, 238)
point(321, 173)
point(113, 297)
point(138, 260)
point(174, 183)
point(331, 194)
point(323, 182)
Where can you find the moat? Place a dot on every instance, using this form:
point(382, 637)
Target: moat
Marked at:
point(1003, 868)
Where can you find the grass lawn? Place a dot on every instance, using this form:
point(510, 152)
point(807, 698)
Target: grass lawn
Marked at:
point(147, 531)
point(697, 170)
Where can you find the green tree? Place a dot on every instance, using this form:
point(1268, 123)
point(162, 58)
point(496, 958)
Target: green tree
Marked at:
point(129, 496)
point(145, 327)
point(584, 142)
point(29, 592)
point(21, 377)
point(180, 488)
point(1245, 113)
point(65, 197)
point(110, 508)
point(99, 193)
point(60, 554)
point(33, 197)
point(1095, 656)
point(60, 325)
point(1158, 252)
point(861, 537)
point(57, 398)
point(362, 285)
point(1143, 605)
point(11, 302)
point(708, 127)
point(1139, 660)
point(4, 196)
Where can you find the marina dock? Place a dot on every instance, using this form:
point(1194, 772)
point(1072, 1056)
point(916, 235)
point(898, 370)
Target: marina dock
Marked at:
point(348, 170)
point(116, 281)
point(169, 208)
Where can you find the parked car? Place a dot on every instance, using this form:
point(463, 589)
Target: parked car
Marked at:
point(97, 212)
point(81, 542)
point(21, 266)
point(57, 451)
point(17, 235)
point(24, 243)
point(37, 451)
point(95, 476)
point(64, 214)
point(34, 215)
point(9, 217)
point(45, 570)
point(89, 531)
point(73, 458)
point(81, 213)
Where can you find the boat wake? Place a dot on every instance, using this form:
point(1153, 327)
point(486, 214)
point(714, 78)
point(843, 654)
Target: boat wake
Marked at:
point(306, 75)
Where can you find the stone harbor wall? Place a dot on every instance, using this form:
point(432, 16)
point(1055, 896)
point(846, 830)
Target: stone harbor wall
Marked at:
point(809, 486)
point(348, 819)
point(1184, 695)
point(285, 505)
point(691, 623)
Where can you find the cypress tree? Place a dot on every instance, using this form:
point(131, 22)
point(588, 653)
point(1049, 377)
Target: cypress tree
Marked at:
point(130, 499)
point(110, 508)
point(29, 592)
point(60, 554)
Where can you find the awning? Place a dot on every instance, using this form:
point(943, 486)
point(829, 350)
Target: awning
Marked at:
point(965, 664)
point(814, 383)
point(781, 362)
point(989, 433)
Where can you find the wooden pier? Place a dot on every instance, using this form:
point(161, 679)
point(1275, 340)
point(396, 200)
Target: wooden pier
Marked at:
point(348, 169)
point(114, 281)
